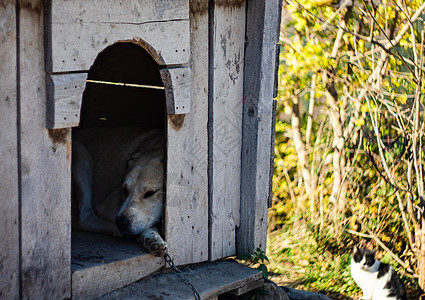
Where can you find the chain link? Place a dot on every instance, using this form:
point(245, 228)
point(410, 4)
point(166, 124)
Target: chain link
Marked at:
point(170, 262)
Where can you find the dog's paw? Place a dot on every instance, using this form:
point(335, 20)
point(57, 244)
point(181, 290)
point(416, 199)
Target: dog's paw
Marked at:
point(153, 242)
point(157, 248)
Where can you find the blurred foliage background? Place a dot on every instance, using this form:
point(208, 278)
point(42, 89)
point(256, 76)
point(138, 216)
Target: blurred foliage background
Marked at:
point(349, 141)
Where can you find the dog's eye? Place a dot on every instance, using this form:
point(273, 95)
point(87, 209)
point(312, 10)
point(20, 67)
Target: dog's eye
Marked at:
point(149, 194)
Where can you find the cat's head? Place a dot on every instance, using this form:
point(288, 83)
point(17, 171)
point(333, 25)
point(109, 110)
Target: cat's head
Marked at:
point(364, 257)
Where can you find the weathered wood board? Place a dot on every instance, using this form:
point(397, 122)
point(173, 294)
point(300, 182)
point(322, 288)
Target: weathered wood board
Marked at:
point(64, 96)
point(129, 11)
point(101, 264)
point(261, 33)
point(45, 170)
point(210, 280)
point(77, 31)
point(9, 189)
point(248, 287)
point(226, 128)
point(177, 89)
point(186, 211)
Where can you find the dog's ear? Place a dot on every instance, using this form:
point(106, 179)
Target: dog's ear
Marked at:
point(131, 160)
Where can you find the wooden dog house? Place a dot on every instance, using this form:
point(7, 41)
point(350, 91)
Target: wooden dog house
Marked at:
point(215, 62)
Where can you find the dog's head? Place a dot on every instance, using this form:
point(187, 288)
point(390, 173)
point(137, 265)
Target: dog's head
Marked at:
point(142, 193)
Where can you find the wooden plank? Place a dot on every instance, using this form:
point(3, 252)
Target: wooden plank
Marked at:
point(76, 35)
point(64, 97)
point(177, 89)
point(45, 172)
point(101, 264)
point(248, 287)
point(226, 115)
point(75, 46)
point(129, 11)
point(210, 280)
point(261, 33)
point(186, 211)
point(9, 190)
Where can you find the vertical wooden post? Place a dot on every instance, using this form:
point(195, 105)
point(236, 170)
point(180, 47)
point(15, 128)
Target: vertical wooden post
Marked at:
point(186, 212)
point(9, 190)
point(261, 33)
point(45, 172)
point(228, 45)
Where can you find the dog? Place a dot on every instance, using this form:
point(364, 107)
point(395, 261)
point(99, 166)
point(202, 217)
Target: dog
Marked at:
point(117, 183)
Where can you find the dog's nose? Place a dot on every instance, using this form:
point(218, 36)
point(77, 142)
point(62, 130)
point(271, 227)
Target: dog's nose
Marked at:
point(122, 222)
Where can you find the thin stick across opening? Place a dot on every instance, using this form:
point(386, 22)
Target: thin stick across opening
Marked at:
point(145, 86)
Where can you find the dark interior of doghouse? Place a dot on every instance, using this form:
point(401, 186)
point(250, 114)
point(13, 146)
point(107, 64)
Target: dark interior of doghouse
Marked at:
point(117, 105)
point(112, 104)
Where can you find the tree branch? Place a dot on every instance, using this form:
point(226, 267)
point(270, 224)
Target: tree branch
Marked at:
point(371, 235)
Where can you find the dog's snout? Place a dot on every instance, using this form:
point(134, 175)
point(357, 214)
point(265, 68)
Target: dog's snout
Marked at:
point(122, 222)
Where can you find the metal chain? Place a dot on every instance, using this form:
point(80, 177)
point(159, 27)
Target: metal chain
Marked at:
point(170, 262)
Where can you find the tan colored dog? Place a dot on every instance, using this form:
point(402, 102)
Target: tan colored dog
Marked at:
point(117, 183)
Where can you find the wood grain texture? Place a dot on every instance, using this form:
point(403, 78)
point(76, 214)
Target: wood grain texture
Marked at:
point(101, 264)
point(64, 97)
point(45, 171)
point(129, 11)
point(226, 120)
point(211, 280)
point(186, 212)
point(262, 32)
point(9, 190)
point(177, 89)
point(248, 287)
point(78, 30)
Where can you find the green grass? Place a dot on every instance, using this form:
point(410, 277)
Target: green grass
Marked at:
point(296, 260)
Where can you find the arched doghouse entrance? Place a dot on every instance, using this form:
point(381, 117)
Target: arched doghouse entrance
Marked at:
point(124, 88)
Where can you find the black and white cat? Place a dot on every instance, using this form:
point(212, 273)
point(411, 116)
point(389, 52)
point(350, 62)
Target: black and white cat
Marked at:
point(377, 280)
